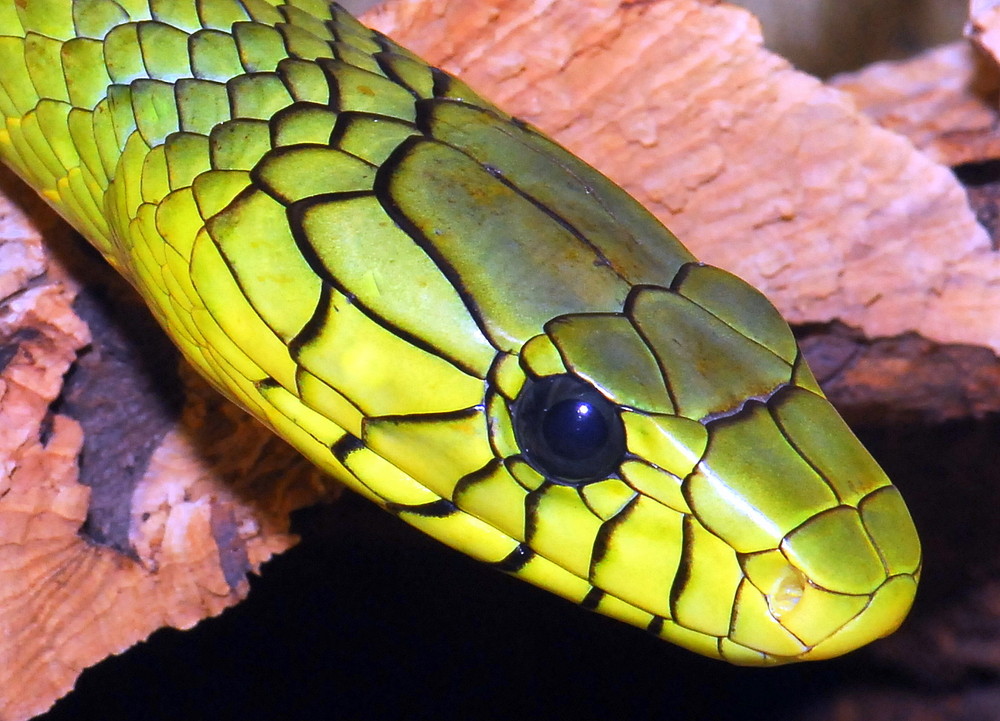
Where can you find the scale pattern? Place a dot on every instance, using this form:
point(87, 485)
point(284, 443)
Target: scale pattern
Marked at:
point(373, 260)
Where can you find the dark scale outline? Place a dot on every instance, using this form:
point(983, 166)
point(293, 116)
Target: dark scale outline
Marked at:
point(433, 509)
point(262, 185)
point(871, 541)
point(531, 502)
point(572, 370)
point(154, 14)
point(309, 331)
point(190, 45)
point(383, 60)
point(602, 544)
point(341, 19)
point(515, 561)
point(675, 284)
point(294, 213)
point(335, 24)
point(635, 458)
point(235, 31)
point(381, 189)
point(139, 25)
point(471, 479)
point(279, 27)
point(510, 461)
point(288, 11)
point(523, 124)
point(329, 68)
point(655, 625)
point(345, 446)
point(593, 598)
point(253, 17)
point(388, 54)
point(389, 46)
point(491, 375)
point(200, 9)
point(615, 477)
point(312, 327)
point(264, 384)
point(431, 418)
point(214, 143)
point(281, 70)
point(735, 612)
point(425, 109)
point(493, 426)
point(878, 549)
point(299, 106)
point(241, 197)
point(786, 390)
point(337, 47)
point(333, 82)
point(683, 575)
point(249, 78)
point(734, 617)
point(763, 398)
point(346, 118)
point(135, 88)
point(737, 415)
point(180, 86)
point(628, 311)
point(443, 83)
point(605, 532)
point(299, 370)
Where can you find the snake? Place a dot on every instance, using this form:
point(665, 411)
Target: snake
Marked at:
point(458, 319)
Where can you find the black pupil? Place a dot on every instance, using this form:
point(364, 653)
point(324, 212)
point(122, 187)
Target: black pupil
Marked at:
point(568, 430)
point(574, 429)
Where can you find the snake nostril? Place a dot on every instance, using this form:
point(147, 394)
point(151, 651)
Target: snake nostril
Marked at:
point(787, 591)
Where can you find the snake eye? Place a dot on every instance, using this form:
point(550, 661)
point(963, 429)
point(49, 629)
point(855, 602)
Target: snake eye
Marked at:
point(567, 430)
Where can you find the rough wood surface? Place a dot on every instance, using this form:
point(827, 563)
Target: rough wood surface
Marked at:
point(943, 101)
point(791, 183)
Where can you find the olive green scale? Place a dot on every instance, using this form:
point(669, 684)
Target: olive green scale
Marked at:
point(373, 260)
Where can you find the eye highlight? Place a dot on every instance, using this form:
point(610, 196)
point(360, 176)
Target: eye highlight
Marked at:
point(568, 430)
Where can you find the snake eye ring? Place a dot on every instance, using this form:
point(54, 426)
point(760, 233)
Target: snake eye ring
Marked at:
point(568, 430)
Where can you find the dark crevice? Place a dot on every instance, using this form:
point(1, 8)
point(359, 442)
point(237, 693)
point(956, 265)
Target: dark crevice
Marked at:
point(125, 392)
point(982, 185)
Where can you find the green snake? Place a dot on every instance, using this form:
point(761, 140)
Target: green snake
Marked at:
point(458, 319)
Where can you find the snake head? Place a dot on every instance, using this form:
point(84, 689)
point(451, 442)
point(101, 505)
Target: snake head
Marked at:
point(682, 459)
point(650, 442)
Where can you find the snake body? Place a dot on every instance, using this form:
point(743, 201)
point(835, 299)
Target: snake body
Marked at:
point(457, 318)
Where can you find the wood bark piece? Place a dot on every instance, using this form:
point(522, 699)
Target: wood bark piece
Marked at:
point(984, 25)
point(943, 101)
point(758, 168)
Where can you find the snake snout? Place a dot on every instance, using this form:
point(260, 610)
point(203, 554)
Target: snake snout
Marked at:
point(827, 547)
